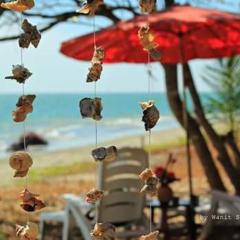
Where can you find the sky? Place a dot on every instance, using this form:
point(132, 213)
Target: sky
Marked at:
point(55, 73)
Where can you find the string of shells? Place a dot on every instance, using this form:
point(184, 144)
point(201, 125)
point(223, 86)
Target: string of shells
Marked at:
point(151, 114)
point(22, 161)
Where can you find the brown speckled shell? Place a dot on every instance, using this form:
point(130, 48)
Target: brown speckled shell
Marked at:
point(18, 5)
point(94, 196)
point(147, 6)
point(146, 174)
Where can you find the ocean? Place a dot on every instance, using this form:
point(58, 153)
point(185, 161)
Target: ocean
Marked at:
point(57, 118)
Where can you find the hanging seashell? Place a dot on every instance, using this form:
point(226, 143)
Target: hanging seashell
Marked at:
point(91, 108)
point(96, 69)
point(91, 7)
point(20, 74)
point(151, 182)
point(29, 232)
point(151, 114)
point(19, 5)
point(103, 231)
point(94, 196)
point(146, 174)
point(105, 154)
point(147, 6)
point(94, 72)
point(150, 186)
point(147, 38)
point(30, 35)
point(21, 162)
point(150, 236)
point(30, 201)
point(24, 106)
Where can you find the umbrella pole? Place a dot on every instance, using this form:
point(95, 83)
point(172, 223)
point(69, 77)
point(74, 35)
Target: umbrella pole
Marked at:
point(190, 211)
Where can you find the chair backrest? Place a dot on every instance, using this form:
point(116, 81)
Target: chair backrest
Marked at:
point(120, 181)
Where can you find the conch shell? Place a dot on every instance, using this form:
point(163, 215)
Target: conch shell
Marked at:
point(30, 201)
point(21, 162)
point(150, 236)
point(151, 114)
point(91, 108)
point(103, 231)
point(30, 35)
point(29, 232)
point(147, 38)
point(105, 154)
point(91, 7)
point(19, 5)
point(94, 196)
point(151, 182)
point(20, 74)
point(24, 106)
point(147, 6)
point(96, 69)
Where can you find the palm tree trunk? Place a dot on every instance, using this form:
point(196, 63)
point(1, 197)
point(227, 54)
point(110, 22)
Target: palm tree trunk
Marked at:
point(195, 134)
point(216, 140)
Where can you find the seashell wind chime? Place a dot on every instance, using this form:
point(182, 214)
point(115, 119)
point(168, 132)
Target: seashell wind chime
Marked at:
point(151, 114)
point(21, 161)
point(92, 108)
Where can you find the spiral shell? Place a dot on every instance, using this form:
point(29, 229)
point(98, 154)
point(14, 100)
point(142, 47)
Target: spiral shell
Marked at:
point(21, 162)
point(19, 5)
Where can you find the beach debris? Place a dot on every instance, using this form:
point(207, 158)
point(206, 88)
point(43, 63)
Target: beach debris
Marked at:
point(30, 35)
point(18, 5)
point(150, 236)
point(24, 106)
point(147, 39)
point(20, 74)
point(21, 162)
point(96, 69)
point(103, 231)
point(151, 182)
point(147, 6)
point(94, 196)
point(105, 154)
point(91, 108)
point(90, 7)
point(151, 114)
point(28, 232)
point(30, 201)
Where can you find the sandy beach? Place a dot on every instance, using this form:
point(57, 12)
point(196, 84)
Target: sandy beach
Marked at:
point(73, 171)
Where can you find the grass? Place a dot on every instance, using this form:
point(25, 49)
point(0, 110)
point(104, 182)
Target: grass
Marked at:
point(63, 170)
point(154, 148)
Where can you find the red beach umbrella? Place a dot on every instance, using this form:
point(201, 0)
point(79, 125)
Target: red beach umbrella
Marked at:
point(195, 32)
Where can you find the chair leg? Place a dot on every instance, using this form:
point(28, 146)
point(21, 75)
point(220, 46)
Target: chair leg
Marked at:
point(42, 230)
point(65, 228)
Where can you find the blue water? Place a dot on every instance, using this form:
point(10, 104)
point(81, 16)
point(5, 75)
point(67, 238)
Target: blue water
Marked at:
point(57, 118)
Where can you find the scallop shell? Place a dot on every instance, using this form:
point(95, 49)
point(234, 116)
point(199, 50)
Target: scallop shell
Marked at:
point(150, 236)
point(146, 174)
point(94, 196)
point(19, 5)
point(20, 161)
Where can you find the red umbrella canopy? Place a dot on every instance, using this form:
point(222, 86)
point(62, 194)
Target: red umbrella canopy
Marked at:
point(182, 33)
